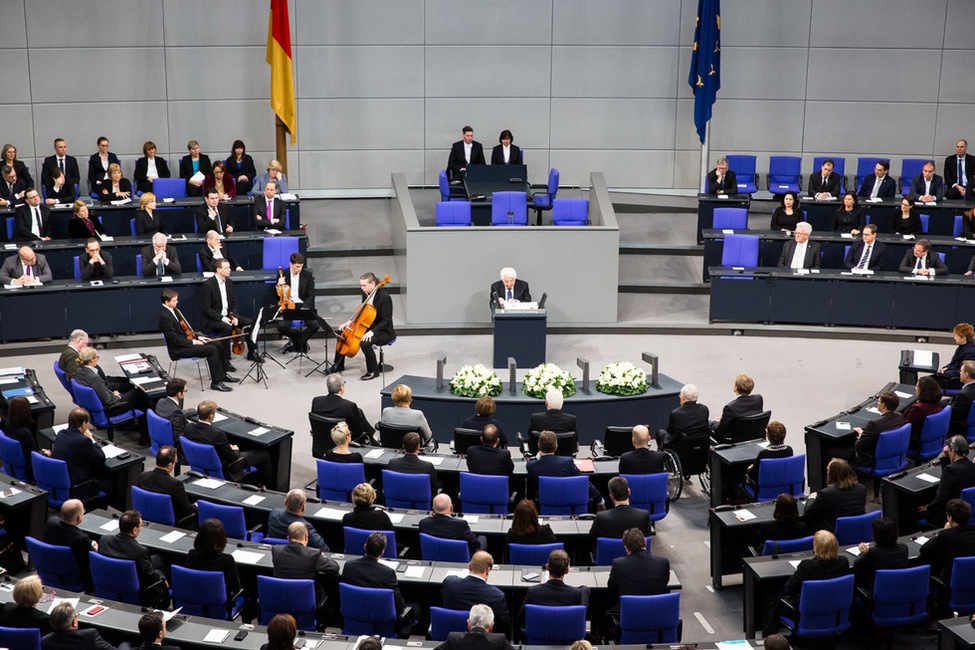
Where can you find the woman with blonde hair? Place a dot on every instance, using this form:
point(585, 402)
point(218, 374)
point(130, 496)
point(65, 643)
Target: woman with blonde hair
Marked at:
point(84, 225)
point(147, 221)
point(115, 187)
point(342, 437)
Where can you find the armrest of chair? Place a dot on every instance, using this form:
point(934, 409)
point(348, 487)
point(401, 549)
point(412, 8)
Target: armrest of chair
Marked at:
point(239, 463)
point(800, 182)
point(866, 597)
point(406, 615)
point(768, 181)
point(787, 608)
point(185, 520)
point(587, 517)
point(312, 486)
point(596, 448)
point(231, 601)
point(255, 529)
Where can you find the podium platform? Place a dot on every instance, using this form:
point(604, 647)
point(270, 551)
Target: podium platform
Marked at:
point(519, 334)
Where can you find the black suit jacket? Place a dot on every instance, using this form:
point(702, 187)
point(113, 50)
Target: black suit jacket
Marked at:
point(552, 465)
point(23, 222)
point(888, 187)
point(306, 286)
point(464, 593)
point(492, 461)
point(866, 442)
point(259, 209)
point(149, 226)
point(86, 639)
point(643, 461)
point(66, 194)
point(366, 518)
point(142, 183)
point(737, 408)
point(951, 170)
point(931, 261)
point(172, 331)
point(832, 502)
point(877, 256)
point(514, 156)
point(382, 327)
point(206, 257)
point(813, 254)
point(955, 477)
point(555, 593)
point(616, 521)
point(11, 194)
point(160, 481)
point(106, 195)
point(126, 547)
point(169, 409)
point(449, 527)
point(96, 172)
point(520, 292)
point(186, 171)
point(72, 175)
point(85, 459)
point(816, 185)
point(61, 534)
point(299, 562)
point(476, 639)
point(458, 160)
point(209, 435)
point(950, 543)
point(411, 464)
point(961, 403)
point(554, 420)
point(91, 271)
point(729, 184)
point(937, 186)
point(211, 303)
point(334, 405)
point(149, 267)
point(11, 615)
point(690, 418)
point(368, 572)
point(638, 574)
point(77, 229)
point(205, 223)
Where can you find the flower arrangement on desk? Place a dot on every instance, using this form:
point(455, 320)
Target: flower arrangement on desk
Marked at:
point(475, 381)
point(621, 379)
point(548, 375)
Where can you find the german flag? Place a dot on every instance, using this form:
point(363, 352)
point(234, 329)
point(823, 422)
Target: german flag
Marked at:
point(282, 73)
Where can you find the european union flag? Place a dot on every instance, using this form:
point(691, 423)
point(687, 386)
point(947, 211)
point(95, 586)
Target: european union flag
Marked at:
point(705, 77)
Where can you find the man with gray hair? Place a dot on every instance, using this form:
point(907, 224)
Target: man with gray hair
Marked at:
point(688, 419)
point(509, 289)
point(280, 519)
point(159, 258)
point(67, 636)
point(721, 180)
point(800, 253)
point(957, 473)
point(334, 405)
point(553, 419)
point(479, 635)
point(77, 341)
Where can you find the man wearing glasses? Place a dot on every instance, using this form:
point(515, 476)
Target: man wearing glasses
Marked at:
point(26, 267)
point(95, 263)
point(123, 546)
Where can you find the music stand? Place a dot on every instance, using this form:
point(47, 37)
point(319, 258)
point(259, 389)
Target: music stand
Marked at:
point(328, 332)
point(300, 313)
point(261, 375)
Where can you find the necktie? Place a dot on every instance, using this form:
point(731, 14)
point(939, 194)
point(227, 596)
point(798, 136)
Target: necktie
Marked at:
point(961, 172)
point(510, 296)
point(865, 258)
point(919, 264)
point(270, 212)
point(216, 220)
point(160, 268)
point(28, 272)
point(61, 164)
point(36, 225)
point(876, 188)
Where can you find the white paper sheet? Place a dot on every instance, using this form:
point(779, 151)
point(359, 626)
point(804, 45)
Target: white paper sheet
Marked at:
point(169, 538)
point(901, 394)
point(392, 565)
point(434, 460)
point(842, 426)
point(246, 557)
point(744, 515)
point(923, 358)
point(216, 635)
point(259, 431)
point(208, 483)
point(57, 601)
point(471, 519)
point(395, 517)
point(853, 550)
point(375, 453)
point(414, 572)
point(110, 526)
point(253, 500)
point(111, 451)
point(330, 513)
point(142, 381)
point(795, 563)
point(924, 476)
point(128, 357)
point(219, 417)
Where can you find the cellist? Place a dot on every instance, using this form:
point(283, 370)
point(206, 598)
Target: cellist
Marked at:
point(220, 311)
point(302, 284)
point(182, 342)
point(380, 332)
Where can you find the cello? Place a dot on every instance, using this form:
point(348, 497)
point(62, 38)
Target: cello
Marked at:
point(349, 338)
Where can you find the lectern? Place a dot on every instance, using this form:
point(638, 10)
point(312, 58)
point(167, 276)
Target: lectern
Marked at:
point(519, 333)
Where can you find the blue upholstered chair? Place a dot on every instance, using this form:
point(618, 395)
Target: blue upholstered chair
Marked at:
point(441, 549)
point(650, 619)
point(649, 492)
point(855, 529)
point(563, 495)
point(367, 611)
point(910, 167)
point(277, 252)
point(890, 456)
point(744, 168)
point(933, 435)
point(337, 480)
point(865, 167)
point(408, 491)
point(824, 608)
point(509, 209)
point(554, 625)
point(740, 250)
point(779, 475)
point(532, 554)
point(453, 213)
point(444, 621)
point(730, 218)
point(784, 546)
point(56, 565)
point(355, 540)
point(543, 200)
point(570, 212)
point(484, 494)
point(784, 174)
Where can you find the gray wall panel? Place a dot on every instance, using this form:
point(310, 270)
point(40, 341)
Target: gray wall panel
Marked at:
point(56, 23)
point(137, 74)
point(127, 126)
point(217, 22)
point(528, 120)
point(518, 71)
point(626, 168)
point(956, 65)
point(347, 71)
point(958, 27)
point(595, 71)
point(19, 131)
point(878, 23)
point(756, 125)
point(687, 137)
point(954, 123)
point(687, 169)
point(783, 23)
point(781, 69)
point(243, 74)
point(613, 123)
point(364, 169)
point(624, 22)
point(381, 124)
point(16, 77)
point(861, 128)
point(500, 22)
point(888, 81)
point(216, 124)
point(364, 22)
point(12, 22)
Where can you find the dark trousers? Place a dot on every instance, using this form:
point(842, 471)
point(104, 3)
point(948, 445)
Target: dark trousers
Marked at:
point(221, 328)
point(208, 351)
point(261, 462)
point(299, 336)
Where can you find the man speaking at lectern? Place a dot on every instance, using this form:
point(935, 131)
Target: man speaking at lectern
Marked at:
point(509, 289)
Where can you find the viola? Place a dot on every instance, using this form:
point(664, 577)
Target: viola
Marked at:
point(284, 292)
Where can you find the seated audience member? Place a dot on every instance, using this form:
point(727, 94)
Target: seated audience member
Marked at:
point(208, 554)
point(64, 530)
point(148, 220)
point(219, 180)
point(366, 571)
point(743, 405)
point(67, 636)
point(949, 376)
point(98, 166)
point(274, 173)
point(364, 515)
point(9, 157)
point(233, 460)
point(612, 523)
point(282, 631)
point(467, 151)
point(827, 563)
point(637, 573)
point(788, 215)
point(927, 185)
point(506, 153)
point(961, 402)
point(553, 419)
point(16, 425)
point(921, 260)
point(554, 592)
point(268, 209)
point(294, 507)
point(58, 190)
point(849, 217)
point(868, 435)
point(799, 252)
point(214, 250)
point(113, 401)
point(159, 258)
point(968, 228)
point(488, 457)
point(775, 434)
point(70, 355)
point(509, 289)
point(160, 480)
point(879, 185)
point(297, 561)
point(149, 168)
point(479, 633)
point(959, 172)
point(12, 188)
point(410, 462)
point(213, 215)
point(400, 414)
point(473, 590)
point(123, 546)
point(549, 464)
point(885, 553)
point(115, 187)
point(928, 403)
point(785, 524)
point(26, 267)
point(32, 221)
point(340, 453)
point(843, 496)
point(525, 528)
point(905, 220)
point(152, 631)
point(442, 524)
point(642, 460)
point(240, 167)
point(867, 253)
point(84, 225)
point(721, 180)
point(23, 612)
point(192, 164)
point(957, 474)
point(171, 406)
point(483, 410)
point(61, 161)
point(688, 419)
point(77, 447)
point(94, 263)
point(956, 540)
point(824, 185)
point(335, 405)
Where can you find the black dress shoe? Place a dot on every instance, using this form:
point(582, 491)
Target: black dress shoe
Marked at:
point(223, 388)
point(252, 356)
point(289, 347)
point(231, 380)
point(369, 375)
point(229, 368)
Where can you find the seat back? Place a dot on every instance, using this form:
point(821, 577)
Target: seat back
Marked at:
point(970, 426)
point(444, 550)
point(77, 264)
point(355, 541)
point(453, 213)
point(783, 174)
point(925, 222)
point(280, 596)
point(202, 458)
point(554, 625)
point(532, 554)
point(962, 586)
point(444, 185)
point(321, 434)
point(200, 593)
point(63, 378)
point(115, 579)
point(865, 167)
point(558, 495)
point(783, 546)
point(749, 427)
point(14, 461)
point(856, 529)
point(933, 435)
point(337, 480)
point(465, 438)
point(160, 432)
point(509, 209)
point(617, 440)
point(138, 264)
point(730, 218)
point(968, 495)
point(410, 491)
point(781, 475)
point(391, 435)
point(839, 168)
point(570, 212)
point(20, 639)
point(891, 453)
point(367, 610)
point(739, 250)
point(744, 168)
point(166, 188)
point(232, 517)
point(695, 450)
point(900, 595)
point(51, 474)
point(483, 494)
point(543, 200)
point(824, 607)
point(153, 506)
point(610, 548)
point(649, 492)
point(567, 441)
point(87, 398)
point(650, 619)
point(277, 252)
point(910, 167)
point(444, 621)
point(56, 565)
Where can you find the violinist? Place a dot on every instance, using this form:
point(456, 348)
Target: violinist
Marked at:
point(301, 285)
point(380, 332)
point(183, 343)
point(220, 312)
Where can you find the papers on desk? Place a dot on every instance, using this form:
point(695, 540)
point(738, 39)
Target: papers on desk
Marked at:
point(136, 367)
point(216, 635)
point(31, 399)
point(732, 645)
point(272, 231)
point(253, 500)
point(841, 425)
point(288, 196)
point(57, 601)
point(395, 517)
point(168, 199)
point(744, 515)
point(414, 572)
point(58, 428)
point(334, 514)
point(471, 519)
point(727, 231)
point(874, 410)
point(901, 394)
point(111, 451)
point(142, 381)
point(110, 526)
point(908, 237)
point(392, 565)
point(924, 476)
point(166, 278)
point(795, 563)
point(375, 453)
point(460, 573)
point(121, 201)
point(847, 235)
point(861, 272)
point(105, 237)
point(259, 431)
point(434, 460)
point(122, 358)
point(246, 557)
point(12, 247)
point(922, 358)
point(9, 492)
point(219, 417)
point(169, 538)
point(874, 200)
point(764, 444)
point(208, 483)
point(922, 540)
point(208, 274)
point(853, 550)
point(168, 615)
point(9, 380)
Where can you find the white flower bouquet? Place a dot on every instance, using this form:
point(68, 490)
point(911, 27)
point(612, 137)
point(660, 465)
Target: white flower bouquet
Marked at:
point(548, 375)
point(621, 379)
point(475, 381)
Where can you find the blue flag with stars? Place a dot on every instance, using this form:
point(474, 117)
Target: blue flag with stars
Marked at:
point(705, 77)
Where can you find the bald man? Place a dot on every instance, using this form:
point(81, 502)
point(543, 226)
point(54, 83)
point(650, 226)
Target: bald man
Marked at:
point(642, 460)
point(26, 267)
point(441, 524)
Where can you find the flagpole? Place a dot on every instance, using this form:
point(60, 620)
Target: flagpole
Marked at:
point(705, 156)
point(281, 143)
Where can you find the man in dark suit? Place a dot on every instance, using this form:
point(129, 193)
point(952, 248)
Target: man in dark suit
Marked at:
point(268, 209)
point(64, 530)
point(159, 258)
point(26, 267)
point(280, 520)
point(94, 263)
point(380, 332)
point(171, 406)
point(879, 185)
point(743, 405)
point(442, 524)
point(509, 289)
point(214, 249)
point(12, 189)
point(298, 561)
point(643, 460)
point(479, 635)
point(152, 630)
point(553, 419)
point(77, 447)
point(637, 573)
point(959, 172)
point(621, 517)
point(411, 463)
point(688, 419)
point(233, 460)
point(212, 215)
point(366, 571)
point(548, 464)
point(220, 313)
point(68, 362)
point(800, 253)
point(334, 405)
point(160, 480)
point(302, 285)
point(867, 436)
point(67, 636)
point(721, 180)
point(956, 540)
point(506, 153)
point(921, 260)
point(176, 330)
point(554, 592)
point(824, 185)
point(957, 474)
point(32, 221)
point(97, 172)
point(463, 153)
point(489, 458)
point(61, 160)
point(123, 546)
point(473, 589)
point(928, 186)
point(868, 253)
point(961, 402)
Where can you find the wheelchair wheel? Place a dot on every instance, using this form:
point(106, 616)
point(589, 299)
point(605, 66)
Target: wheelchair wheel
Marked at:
point(675, 478)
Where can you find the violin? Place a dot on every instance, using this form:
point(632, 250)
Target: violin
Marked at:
point(349, 338)
point(239, 343)
point(284, 292)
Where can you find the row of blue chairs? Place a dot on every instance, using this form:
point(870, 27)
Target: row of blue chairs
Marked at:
point(737, 219)
point(742, 250)
point(511, 209)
